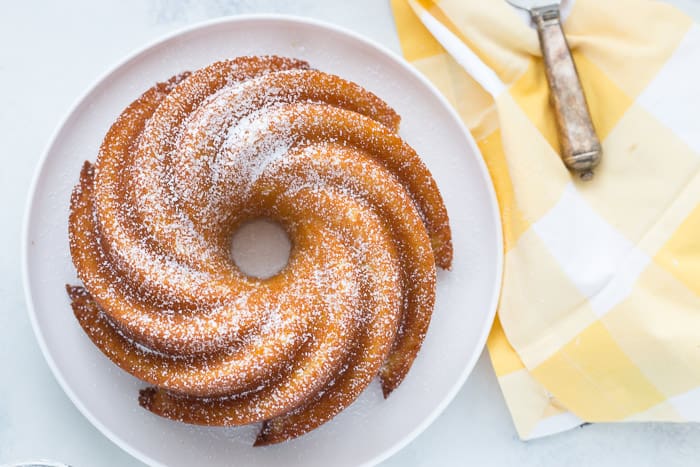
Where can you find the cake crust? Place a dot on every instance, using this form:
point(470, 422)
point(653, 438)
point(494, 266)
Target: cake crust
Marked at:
point(188, 162)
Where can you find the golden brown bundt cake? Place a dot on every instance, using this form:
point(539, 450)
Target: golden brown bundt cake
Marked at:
point(181, 169)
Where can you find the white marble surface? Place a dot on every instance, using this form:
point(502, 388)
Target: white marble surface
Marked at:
point(49, 53)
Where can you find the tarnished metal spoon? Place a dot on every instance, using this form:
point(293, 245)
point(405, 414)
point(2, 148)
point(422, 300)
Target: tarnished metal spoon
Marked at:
point(580, 147)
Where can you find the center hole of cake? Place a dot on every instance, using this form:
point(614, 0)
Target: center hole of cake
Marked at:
point(260, 248)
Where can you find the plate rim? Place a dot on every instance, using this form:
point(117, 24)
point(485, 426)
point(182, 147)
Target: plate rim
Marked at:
point(233, 19)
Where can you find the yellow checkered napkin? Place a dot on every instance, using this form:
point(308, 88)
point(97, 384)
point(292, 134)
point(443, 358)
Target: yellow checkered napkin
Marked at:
point(599, 318)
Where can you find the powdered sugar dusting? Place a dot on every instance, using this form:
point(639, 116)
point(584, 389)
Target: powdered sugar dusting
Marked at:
point(181, 169)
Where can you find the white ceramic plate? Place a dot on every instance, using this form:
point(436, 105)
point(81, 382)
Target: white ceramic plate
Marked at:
point(371, 429)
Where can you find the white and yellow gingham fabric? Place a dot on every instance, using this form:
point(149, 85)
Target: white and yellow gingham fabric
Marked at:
point(599, 318)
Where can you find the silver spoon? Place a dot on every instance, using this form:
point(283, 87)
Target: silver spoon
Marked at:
point(580, 147)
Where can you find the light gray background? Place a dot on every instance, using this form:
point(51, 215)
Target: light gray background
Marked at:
point(50, 52)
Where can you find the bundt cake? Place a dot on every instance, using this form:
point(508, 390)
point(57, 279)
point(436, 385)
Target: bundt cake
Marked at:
point(177, 174)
